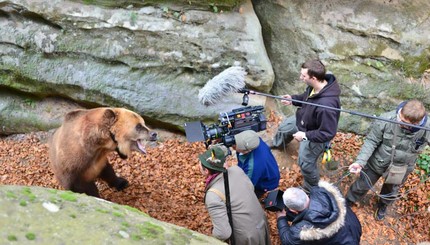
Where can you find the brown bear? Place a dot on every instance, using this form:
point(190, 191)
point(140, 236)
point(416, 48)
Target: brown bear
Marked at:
point(78, 149)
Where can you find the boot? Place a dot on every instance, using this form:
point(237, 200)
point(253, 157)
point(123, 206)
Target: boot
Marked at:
point(381, 211)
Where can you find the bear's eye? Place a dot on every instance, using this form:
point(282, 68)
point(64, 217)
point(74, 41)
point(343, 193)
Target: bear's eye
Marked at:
point(139, 127)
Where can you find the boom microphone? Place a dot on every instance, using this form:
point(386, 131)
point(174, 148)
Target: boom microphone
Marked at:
point(231, 80)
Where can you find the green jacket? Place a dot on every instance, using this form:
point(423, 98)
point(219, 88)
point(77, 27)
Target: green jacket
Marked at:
point(377, 148)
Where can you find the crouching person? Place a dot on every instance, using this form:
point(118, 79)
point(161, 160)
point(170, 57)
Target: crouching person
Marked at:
point(320, 218)
point(249, 220)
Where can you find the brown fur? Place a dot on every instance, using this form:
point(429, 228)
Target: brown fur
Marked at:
point(78, 149)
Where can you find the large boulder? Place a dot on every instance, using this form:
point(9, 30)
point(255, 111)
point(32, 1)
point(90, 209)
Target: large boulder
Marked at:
point(39, 215)
point(151, 59)
point(379, 50)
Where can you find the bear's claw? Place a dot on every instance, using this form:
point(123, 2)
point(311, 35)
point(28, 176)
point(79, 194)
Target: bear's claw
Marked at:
point(121, 184)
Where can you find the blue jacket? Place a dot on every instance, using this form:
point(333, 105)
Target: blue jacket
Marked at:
point(261, 167)
point(327, 220)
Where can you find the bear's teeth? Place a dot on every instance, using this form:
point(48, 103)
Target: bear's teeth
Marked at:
point(141, 147)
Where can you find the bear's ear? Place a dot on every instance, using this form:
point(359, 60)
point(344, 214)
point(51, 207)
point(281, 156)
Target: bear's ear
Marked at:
point(109, 117)
point(73, 114)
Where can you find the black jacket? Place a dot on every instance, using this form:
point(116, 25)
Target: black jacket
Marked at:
point(327, 220)
point(320, 124)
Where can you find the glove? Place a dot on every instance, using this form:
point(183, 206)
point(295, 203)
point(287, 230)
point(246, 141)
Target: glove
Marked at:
point(326, 157)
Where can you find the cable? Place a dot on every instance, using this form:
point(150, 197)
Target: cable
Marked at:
point(244, 90)
point(388, 196)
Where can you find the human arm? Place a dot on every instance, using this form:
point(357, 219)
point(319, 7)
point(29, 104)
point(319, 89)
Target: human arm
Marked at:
point(372, 141)
point(300, 136)
point(287, 100)
point(287, 233)
point(218, 212)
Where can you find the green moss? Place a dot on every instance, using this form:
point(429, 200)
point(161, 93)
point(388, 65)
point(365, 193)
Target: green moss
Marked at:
point(407, 91)
point(135, 210)
point(125, 224)
point(414, 66)
point(27, 192)
point(73, 216)
point(30, 236)
point(135, 237)
point(12, 238)
point(377, 64)
point(69, 196)
point(102, 211)
point(53, 200)
point(23, 203)
point(10, 194)
point(118, 214)
point(149, 230)
point(182, 236)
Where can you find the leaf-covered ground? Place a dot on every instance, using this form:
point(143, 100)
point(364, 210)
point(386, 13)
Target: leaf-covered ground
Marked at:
point(167, 184)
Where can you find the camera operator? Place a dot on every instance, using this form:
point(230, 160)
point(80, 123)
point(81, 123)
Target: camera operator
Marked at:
point(257, 161)
point(320, 218)
point(249, 219)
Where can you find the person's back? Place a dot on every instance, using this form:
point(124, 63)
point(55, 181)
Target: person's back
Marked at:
point(249, 219)
point(326, 220)
point(257, 161)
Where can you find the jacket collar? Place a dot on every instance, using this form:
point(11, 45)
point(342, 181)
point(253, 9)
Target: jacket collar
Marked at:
point(312, 233)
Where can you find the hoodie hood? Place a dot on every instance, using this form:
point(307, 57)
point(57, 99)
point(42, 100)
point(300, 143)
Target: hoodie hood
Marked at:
point(422, 123)
point(332, 88)
point(327, 213)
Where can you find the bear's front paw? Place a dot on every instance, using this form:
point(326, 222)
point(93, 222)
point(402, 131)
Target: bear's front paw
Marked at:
point(121, 184)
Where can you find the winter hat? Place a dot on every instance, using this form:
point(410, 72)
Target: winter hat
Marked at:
point(247, 140)
point(214, 158)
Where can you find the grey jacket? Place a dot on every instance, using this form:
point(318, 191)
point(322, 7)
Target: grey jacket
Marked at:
point(249, 219)
point(377, 148)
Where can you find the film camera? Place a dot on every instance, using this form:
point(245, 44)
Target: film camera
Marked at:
point(229, 124)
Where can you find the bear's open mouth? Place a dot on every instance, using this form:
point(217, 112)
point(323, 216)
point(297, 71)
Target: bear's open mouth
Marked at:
point(140, 146)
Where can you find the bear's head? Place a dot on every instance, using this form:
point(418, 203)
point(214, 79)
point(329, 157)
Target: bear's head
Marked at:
point(128, 130)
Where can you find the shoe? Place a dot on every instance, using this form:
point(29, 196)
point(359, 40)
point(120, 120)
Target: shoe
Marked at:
point(271, 145)
point(381, 212)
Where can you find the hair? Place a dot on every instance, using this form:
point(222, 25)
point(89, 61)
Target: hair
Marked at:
point(315, 69)
point(211, 171)
point(295, 198)
point(414, 111)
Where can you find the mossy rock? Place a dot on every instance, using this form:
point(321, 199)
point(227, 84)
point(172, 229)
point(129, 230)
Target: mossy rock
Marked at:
point(37, 215)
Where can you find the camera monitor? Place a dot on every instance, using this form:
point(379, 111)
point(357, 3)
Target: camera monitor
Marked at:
point(194, 131)
point(274, 202)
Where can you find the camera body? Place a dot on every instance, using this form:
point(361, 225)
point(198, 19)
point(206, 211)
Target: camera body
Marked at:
point(229, 124)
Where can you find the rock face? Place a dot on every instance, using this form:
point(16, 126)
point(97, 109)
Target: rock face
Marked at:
point(378, 50)
point(47, 216)
point(154, 58)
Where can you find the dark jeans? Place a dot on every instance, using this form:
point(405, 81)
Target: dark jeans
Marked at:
point(285, 132)
point(309, 152)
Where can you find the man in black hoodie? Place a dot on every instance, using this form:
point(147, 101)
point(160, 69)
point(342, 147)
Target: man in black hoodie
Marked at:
point(320, 218)
point(313, 126)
